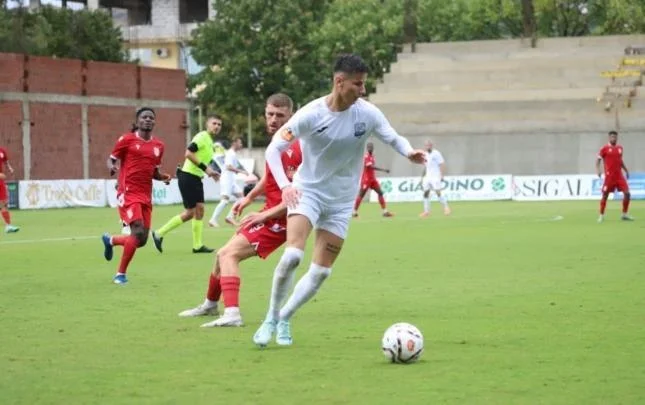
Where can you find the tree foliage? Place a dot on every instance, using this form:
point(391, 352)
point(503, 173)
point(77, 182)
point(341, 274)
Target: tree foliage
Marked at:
point(63, 33)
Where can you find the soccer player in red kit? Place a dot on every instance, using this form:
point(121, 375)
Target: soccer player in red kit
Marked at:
point(4, 194)
point(139, 154)
point(259, 234)
point(368, 181)
point(612, 156)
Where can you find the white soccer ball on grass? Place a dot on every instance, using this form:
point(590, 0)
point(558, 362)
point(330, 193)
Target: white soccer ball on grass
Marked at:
point(402, 343)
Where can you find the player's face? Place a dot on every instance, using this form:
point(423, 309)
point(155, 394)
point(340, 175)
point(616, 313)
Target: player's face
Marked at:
point(275, 117)
point(429, 146)
point(351, 86)
point(146, 121)
point(370, 148)
point(238, 144)
point(214, 126)
point(613, 138)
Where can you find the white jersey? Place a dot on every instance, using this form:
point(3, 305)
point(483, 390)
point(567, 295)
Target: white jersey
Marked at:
point(230, 159)
point(332, 145)
point(434, 160)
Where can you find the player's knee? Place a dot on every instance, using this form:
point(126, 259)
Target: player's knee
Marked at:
point(627, 194)
point(291, 259)
point(142, 238)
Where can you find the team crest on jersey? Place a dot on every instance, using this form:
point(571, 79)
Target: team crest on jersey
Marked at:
point(289, 153)
point(156, 151)
point(360, 128)
point(287, 134)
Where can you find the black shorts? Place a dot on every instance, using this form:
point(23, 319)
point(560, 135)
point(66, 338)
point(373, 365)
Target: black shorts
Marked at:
point(191, 189)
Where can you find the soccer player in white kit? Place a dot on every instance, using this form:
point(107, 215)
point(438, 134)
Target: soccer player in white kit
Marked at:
point(229, 190)
point(431, 179)
point(333, 131)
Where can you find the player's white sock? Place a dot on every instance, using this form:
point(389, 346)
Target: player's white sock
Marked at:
point(426, 204)
point(209, 304)
point(230, 212)
point(306, 288)
point(443, 200)
point(283, 276)
point(218, 210)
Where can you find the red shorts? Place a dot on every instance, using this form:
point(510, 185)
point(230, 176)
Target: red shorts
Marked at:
point(4, 194)
point(366, 184)
point(135, 211)
point(265, 238)
point(612, 184)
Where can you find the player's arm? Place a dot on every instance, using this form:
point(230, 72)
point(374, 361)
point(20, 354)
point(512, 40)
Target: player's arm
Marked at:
point(622, 165)
point(379, 169)
point(230, 165)
point(158, 175)
point(191, 155)
point(442, 169)
point(598, 166)
point(9, 166)
point(245, 201)
point(384, 131)
point(118, 153)
point(298, 126)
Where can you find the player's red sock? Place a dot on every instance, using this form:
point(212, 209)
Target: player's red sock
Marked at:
point(119, 240)
point(231, 291)
point(129, 248)
point(214, 288)
point(6, 216)
point(381, 200)
point(603, 204)
point(357, 203)
point(625, 204)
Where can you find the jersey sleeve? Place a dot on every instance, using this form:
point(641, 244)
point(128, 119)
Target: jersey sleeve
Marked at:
point(229, 159)
point(120, 148)
point(384, 131)
point(440, 159)
point(200, 140)
point(298, 126)
point(162, 148)
point(602, 152)
point(4, 156)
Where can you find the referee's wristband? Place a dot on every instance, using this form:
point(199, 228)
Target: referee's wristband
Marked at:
point(202, 166)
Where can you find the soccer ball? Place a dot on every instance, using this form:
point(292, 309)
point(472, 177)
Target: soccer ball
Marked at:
point(402, 343)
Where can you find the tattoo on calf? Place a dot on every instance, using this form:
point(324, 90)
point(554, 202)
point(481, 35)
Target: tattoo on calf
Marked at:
point(332, 248)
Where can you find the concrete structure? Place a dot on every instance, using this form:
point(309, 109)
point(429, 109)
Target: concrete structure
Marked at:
point(155, 31)
point(503, 107)
point(61, 117)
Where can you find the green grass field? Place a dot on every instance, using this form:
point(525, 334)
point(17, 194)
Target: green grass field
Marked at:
point(516, 308)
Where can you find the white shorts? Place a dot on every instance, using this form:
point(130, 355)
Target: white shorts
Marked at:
point(229, 189)
point(432, 183)
point(333, 218)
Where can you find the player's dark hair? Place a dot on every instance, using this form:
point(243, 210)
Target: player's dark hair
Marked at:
point(280, 100)
point(213, 117)
point(613, 133)
point(351, 64)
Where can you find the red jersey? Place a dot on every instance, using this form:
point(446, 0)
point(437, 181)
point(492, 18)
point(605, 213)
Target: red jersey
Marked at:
point(3, 159)
point(139, 160)
point(612, 156)
point(368, 167)
point(291, 159)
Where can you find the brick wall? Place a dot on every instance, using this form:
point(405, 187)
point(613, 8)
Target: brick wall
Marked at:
point(56, 128)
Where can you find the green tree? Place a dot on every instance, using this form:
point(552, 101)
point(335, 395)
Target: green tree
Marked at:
point(256, 48)
point(53, 31)
point(377, 39)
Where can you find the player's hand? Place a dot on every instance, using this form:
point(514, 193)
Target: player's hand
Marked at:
point(212, 173)
point(417, 156)
point(626, 174)
point(291, 196)
point(113, 170)
point(239, 206)
point(165, 177)
point(252, 219)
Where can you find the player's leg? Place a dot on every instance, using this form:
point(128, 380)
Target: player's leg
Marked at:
point(230, 217)
point(381, 198)
point(299, 226)
point(607, 188)
point(236, 250)
point(442, 199)
point(330, 236)
point(213, 294)
point(4, 209)
point(623, 187)
point(197, 226)
point(359, 198)
point(189, 197)
point(221, 206)
point(426, 198)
